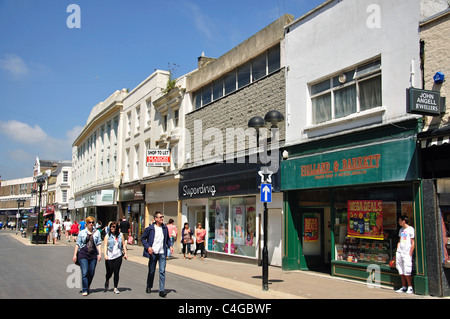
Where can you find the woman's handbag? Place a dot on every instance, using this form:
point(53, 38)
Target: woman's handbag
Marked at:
point(77, 262)
point(130, 240)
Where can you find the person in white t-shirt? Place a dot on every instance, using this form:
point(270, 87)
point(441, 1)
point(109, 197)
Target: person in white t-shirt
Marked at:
point(56, 229)
point(403, 256)
point(67, 225)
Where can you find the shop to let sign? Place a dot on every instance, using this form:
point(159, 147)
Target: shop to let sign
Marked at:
point(158, 158)
point(365, 219)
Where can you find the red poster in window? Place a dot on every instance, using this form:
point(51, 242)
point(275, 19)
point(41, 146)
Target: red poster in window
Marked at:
point(311, 234)
point(365, 219)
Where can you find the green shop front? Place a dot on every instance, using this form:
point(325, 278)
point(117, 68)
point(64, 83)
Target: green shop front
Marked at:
point(342, 199)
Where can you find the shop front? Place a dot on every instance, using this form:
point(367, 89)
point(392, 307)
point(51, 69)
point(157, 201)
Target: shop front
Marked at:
point(225, 198)
point(100, 204)
point(435, 155)
point(132, 208)
point(161, 194)
point(342, 204)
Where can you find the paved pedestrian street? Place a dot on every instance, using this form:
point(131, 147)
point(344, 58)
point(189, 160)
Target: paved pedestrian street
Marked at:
point(48, 272)
point(195, 288)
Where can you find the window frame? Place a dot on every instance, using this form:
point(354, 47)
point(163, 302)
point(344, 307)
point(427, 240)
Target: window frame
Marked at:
point(237, 82)
point(332, 87)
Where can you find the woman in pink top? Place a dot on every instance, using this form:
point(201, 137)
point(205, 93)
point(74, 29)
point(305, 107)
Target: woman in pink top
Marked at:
point(172, 235)
point(200, 234)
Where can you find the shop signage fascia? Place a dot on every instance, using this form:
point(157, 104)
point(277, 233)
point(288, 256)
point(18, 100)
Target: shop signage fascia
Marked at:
point(132, 193)
point(227, 180)
point(424, 102)
point(385, 162)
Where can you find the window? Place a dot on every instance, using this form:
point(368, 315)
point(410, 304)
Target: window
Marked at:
point(176, 118)
point(257, 68)
point(127, 165)
point(244, 75)
point(273, 59)
point(64, 196)
point(230, 82)
point(128, 124)
point(233, 225)
point(347, 93)
point(147, 147)
point(217, 89)
point(102, 137)
point(65, 177)
point(206, 94)
point(108, 135)
point(115, 126)
point(136, 162)
point(147, 113)
point(164, 124)
point(137, 124)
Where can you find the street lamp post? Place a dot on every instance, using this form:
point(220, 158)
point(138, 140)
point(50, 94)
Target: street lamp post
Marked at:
point(273, 117)
point(40, 181)
point(20, 203)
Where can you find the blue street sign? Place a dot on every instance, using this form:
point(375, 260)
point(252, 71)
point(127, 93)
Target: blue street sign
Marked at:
point(266, 193)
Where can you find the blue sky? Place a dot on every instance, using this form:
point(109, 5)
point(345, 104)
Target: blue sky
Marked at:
point(52, 75)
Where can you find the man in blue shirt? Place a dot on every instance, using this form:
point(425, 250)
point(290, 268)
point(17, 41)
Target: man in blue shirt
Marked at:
point(82, 225)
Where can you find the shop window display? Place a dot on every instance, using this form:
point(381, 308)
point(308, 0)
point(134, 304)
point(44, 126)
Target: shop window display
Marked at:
point(232, 226)
point(366, 229)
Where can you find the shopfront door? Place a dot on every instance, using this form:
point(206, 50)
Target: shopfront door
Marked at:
point(196, 215)
point(312, 225)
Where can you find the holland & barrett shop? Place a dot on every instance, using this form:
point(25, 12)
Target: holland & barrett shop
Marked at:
point(342, 204)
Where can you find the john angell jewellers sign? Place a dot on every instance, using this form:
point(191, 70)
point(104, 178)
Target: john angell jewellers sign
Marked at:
point(422, 102)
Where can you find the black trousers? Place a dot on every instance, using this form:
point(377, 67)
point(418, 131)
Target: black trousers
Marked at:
point(200, 246)
point(113, 267)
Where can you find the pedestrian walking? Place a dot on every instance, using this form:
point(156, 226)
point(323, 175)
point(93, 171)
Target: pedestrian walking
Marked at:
point(186, 240)
point(173, 232)
point(67, 228)
point(82, 224)
point(156, 240)
point(200, 234)
point(403, 256)
point(114, 249)
point(125, 228)
point(48, 229)
point(74, 230)
point(55, 230)
point(87, 252)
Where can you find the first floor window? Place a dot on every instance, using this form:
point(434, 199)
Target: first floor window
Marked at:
point(347, 93)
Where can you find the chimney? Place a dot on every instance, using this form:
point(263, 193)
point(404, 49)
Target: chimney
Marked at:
point(203, 60)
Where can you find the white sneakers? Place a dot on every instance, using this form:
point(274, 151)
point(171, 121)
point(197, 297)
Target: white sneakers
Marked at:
point(408, 290)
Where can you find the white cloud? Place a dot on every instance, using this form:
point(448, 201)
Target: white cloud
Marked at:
point(202, 22)
point(14, 64)
point(22, 142)
point(22, 132)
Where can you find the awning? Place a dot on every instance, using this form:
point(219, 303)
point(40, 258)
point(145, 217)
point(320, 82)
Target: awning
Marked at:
point(436, 137)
